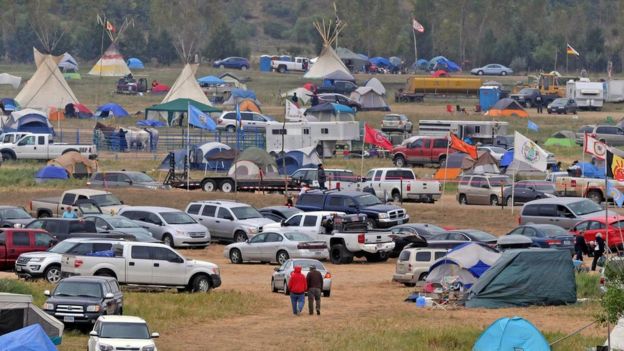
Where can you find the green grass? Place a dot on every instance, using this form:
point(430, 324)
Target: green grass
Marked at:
point(15, 287)
point(588, 286)
point(24, 177)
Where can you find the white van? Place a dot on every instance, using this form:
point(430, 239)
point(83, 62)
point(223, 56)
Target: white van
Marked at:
point(413, 264)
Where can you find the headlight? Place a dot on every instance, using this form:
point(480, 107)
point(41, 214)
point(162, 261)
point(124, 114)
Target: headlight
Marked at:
point(181, 232)
point(549, 195)
point(93, 308)
point(48, 306)
point(383, 215)
point(36, 259)
point(105, 347)
point(147, 348)
point(252, 230)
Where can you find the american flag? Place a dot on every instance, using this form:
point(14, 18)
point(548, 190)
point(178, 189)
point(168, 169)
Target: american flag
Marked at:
point(417, 26)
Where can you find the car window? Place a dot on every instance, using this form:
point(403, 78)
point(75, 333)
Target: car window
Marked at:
point(193, 209)
point(68, 199)
point(224, 213)
point(88, 248)
point(439, 254)
point(607, 130)
point(335, 201)
point(517, 231)
point(457, 236)
point(273, 238)
point(423, 256)
point(417, 144)
point(21, 239)
point(476, 182)
point(35, 225)
point(427, 143)
point(378, 175)
point(260, 238)
point(619, 224)
point(594, 225)
point(42, 239)
point(140, 252)
point(259, 118)
point(404, 256)
point(310, 221)
point(581, 226)
point(564, 212)
point(547, 211)
point(440, 143)
point(81, 227)
point(163, 254)
point(294, 221)
point(530, 232)
point(100, 223)
point(113, 286)
point(209, 210)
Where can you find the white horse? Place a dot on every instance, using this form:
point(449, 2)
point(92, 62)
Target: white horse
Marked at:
point(137, 138)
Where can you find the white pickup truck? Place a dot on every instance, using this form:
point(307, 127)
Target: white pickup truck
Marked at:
point(151, 264)
point(400, 184)
point(300, 64)
point(346, 235)
point(42, 147)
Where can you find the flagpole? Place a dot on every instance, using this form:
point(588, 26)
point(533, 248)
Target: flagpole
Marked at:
point(583, 157)
point(415, 47)
point(188, 142)
point(513, 187)
point(362, 153)
point(448, 145)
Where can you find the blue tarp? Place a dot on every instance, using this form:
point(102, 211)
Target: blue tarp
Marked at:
point(591, 171)
point(381, 62)
point(511, 334)
point(109, 109)
point(243, 94)
point(330, 107)
point(30, 338)
point(50, 173)
point(210, 80)
point(441, 62)
point(135, 63)
point(507, 159)
point(9, 104)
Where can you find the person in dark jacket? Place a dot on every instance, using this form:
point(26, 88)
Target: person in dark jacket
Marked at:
point(315, 100)
point(315, 286)
point(295, 99)
point(321, 177)
point(297, 285)
point(598, 250)
point(539, 104)
point(580, 246)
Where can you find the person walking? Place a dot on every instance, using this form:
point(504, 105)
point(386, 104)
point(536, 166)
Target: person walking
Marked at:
point(295, 99)
point(599, 249)
point(315, 286)
point(321, 177)
point(580, 246)
point(297, 285)
point(539, 104)
point(68, 213)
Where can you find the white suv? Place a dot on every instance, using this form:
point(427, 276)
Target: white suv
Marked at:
point(414, 263)
point(121, 333)
point(249, 120)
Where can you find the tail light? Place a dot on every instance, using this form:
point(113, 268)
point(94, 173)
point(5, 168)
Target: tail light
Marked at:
point(361, 239)
point(573, 183)
point(327, 275)
point(553, 242)
point(78, 263)
point(30, 205)
point(409, 187)
point(409, 267)
point(338, 185)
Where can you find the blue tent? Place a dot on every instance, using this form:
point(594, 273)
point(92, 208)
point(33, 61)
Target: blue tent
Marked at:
point(210, 80)
point(51, 173)
point(422, 64)
point(441, 62)
point(9, 104)
point(109, 110)
point(381, 62)
point(295, 159)
point(151, 123)
point(466, 261)
point(30, 338)
point(135, 63)
point(29, 120)
point(511, 334)
point(243, 94)
point(330, 107)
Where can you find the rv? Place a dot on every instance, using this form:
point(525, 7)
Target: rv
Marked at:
point(479, 131)
point(588, 95)
point(614, 90)
point(298, 135)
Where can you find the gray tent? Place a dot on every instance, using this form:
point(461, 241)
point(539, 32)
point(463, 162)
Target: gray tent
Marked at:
point(526, 277)
point(18, 311)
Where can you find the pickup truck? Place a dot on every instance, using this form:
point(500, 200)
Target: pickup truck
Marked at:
point(11, 137)
point(343, 87)
point(378, 215)
point(106, 202)
point(300, 64)
point(16, 241)
point(346, 236)
point(592, 188)
point(401, 184)
point(149, 264)
point(342, 179)
point(42, 147)
point(421, 150)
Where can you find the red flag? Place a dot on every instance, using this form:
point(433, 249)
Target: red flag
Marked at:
point(110, 27)
point(373, 136)
point(461, 146)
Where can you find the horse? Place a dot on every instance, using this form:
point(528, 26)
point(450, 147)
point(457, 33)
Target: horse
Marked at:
point(137, 138)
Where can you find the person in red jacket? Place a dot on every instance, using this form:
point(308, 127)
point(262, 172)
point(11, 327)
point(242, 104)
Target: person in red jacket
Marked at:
point(297, 285)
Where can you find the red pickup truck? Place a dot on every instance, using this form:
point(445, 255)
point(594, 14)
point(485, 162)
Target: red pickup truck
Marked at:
point(421, 150)
point(16, 241)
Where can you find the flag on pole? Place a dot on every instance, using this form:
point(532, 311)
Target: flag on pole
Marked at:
point(374, 137)
point(595, 147)
point(462, 146)
point(110, 27)
point(570, 50)
point(529, 153)
point(417, 26)
point(615, 164)
point(532, 126)
point(615, 194)
point(200, 119)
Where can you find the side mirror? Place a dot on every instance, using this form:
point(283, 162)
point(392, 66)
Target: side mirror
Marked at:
point(93, 333)
point(121, 202)
point(46, 292)
point(129, 183)
point(155, 335)
point(109, 296)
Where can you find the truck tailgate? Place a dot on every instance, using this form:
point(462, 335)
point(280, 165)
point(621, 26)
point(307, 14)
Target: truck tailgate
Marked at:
point(68, 265)
point(377, 237)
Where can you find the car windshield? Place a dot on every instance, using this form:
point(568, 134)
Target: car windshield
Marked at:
point(368, 200)
point(288, 212)
point(526, 91)
point(392, 118)
point(553, 230)
point(584, 207)
point(122, 222)
point(62, 247)
point(297, 237)
point(478, 235)
point(498, 181)
point(559, 102)
point(106, 200)
point(140, 177)
point(496, 149)
point(79, 289)
point(305, 265)
point(124, 331)
point(14, 213)
point(177, 218)
point(246, 212)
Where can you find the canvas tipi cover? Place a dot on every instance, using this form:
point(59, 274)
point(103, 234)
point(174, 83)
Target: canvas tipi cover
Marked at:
point(186, 87)
point(328, 61)
point(46, 88)
point(111, 64)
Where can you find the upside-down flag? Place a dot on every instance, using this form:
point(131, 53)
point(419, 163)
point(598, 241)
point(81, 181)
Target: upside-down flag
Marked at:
point(462, 146)
point(615, 164)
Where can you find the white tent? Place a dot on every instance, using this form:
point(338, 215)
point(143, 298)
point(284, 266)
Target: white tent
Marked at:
point(464, 263)
point(303, 94)
point(46, 88)
point(19, 311)
point(376, 85)
point(369, 99)
point(68, 63)
point(249, 170)
point(111, 64)
point(186, 87)
point(328, 61)
point(11, 80)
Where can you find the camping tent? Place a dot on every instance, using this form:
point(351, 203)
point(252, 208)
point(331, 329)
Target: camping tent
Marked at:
point(68, 63)
point(303, 94)
point(18, 311)
point(111, 64)
point(295, 159)
point(369, 99)
point(511, 334)
point(82, 111)
point(76, 165)
point(518, 278)
point(254, 163)
point(172, 109)
point(452, 167)
point(30, 338)
point(329, 78)
point(239, 95)
point(441, 62)
point(376, 85)
point(233, 80)
point(485, 163)
point(111, 110)
point(564, 138)
point(210, 81)
point(507, 107)
point(29, 120)
point(383, 62)
point(467, 262)
point(329, 111)
point(46, 88)
point(135, 63)
point(186, 86)
point(352, 60)
point(11, 80)
point(50, 173)
point(328, 61)
point(215, 156)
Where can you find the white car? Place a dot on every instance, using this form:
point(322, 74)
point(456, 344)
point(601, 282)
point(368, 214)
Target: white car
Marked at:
point(248, 121)
point(276, 247)
point(112, 333)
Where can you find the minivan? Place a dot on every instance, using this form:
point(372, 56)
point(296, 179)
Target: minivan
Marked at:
point(248, 121)
point(481, 189)
point(564, 212)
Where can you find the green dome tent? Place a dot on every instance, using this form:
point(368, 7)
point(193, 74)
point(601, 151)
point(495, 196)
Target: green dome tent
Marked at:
point(563, 138)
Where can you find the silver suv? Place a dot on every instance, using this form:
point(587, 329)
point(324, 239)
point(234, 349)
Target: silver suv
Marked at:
point(564, 212)
point(481, 189)
point(228, 220)
point(172, 226)
point(396, 123)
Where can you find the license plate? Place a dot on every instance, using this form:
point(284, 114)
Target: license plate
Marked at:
point(18, 268)
point(318, 253)
point(68, 319)
point(401, 221)
point(566, 242)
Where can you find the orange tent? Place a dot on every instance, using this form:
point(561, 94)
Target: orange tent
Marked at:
point(249, 105)
point(56, 114)
point(507, 108)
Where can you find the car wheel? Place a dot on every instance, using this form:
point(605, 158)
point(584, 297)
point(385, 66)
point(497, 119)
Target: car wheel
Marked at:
point(201, 283)
point(326, 293)
point(209, 186)
point(227, 186)
point(240, 236)
point(52, 274)
point(273, 288)
point(463, 200)
point(396, 197)
point(167, 240)
point(281, 257)
point(243, 68)
point(595, 196)
point(339, 254)
point(423, 276)
point(286, 291)
point(480, 73)
point(399, 161)
point(494, 200)
point(221, 66)
point(236, 256)
point(230, 129)
point(508, 201)
point(281, 69)
point(503, 73)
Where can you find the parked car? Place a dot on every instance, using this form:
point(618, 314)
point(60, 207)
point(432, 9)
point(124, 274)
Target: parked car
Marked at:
point(421, 150)
point(526, 96)
point(123, 179)
point(278, 213)
point(336, 86)
point(16, 241)
point(249, 121)
point(108, 223)
point(473, 235)
point(396, 123)
point(276, 247)
point(63, 228)
point(592, 226)
point(232, 62)
point(401, 184)
point(482, 189)
point(565, 212)
point(340, 99)
point(496, 151)
point(12, 215)
point(79, 300)
point(528, 190)
point(281, 276)
point(169, 225)
point(562, 105)
point(414, 263)
point(412, 235)
point(337, 178)
point(227, 220)
point(55, 206)
point(493, 69)
point(611, 135)
point(119, 333)
point(546, 236)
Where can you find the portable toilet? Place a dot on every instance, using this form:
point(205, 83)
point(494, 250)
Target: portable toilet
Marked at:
point(488, 96)
point(265, 63)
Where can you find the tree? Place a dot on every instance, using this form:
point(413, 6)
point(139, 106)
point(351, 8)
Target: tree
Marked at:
point(223, 44)
point(161, 48)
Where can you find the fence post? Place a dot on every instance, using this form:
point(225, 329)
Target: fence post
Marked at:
point(78, 136)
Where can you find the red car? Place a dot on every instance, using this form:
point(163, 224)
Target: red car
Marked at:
point(421, 150)
point(16, 241)
point(596, 225)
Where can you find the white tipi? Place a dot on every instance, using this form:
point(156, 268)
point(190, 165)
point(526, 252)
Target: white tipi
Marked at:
point(328, 61)
point(186, 87)
point(111, 64)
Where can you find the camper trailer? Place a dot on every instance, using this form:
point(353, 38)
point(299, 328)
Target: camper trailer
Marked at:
point(588, 95)
point(298, 135)
point(478, 131)
point(614, 90)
